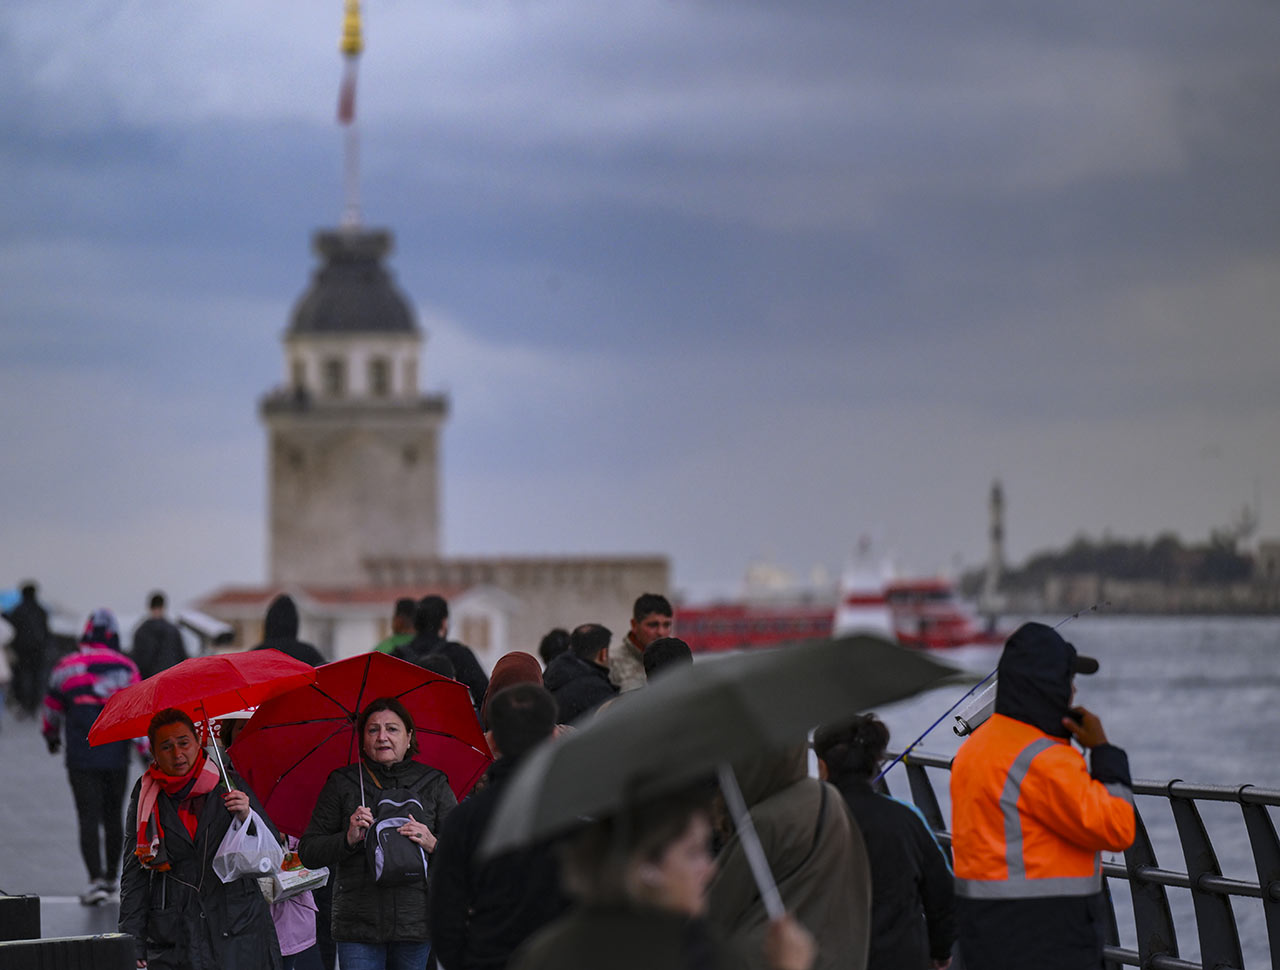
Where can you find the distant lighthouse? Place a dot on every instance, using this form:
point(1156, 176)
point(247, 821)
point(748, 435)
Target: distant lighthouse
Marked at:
point(995, 555)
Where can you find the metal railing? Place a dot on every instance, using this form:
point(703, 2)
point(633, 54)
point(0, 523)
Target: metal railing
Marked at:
point(1211, 892)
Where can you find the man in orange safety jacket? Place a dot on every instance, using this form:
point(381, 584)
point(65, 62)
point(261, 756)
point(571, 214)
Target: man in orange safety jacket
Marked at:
point(1030, 818)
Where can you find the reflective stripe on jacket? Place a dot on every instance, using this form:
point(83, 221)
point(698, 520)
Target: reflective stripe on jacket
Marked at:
point(1028, 820)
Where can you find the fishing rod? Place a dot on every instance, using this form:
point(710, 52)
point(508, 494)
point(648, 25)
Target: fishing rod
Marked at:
point(969, 693)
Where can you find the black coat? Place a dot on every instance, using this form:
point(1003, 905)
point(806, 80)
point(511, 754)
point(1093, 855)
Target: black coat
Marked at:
point(364, 912)
point(579, 686)
point(157, 646)
point(481, 911)
point(186, 918)
point(912, 889)
point(465, 666)
point(280, 632)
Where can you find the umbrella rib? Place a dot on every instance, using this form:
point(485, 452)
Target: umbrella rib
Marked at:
point(316, 747)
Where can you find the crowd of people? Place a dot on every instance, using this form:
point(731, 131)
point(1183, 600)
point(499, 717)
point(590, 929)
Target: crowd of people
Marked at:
point(669, 880)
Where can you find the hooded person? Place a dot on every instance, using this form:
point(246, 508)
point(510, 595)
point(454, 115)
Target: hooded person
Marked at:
point(280, 632)
point(516, 667)
point(1030, 817)
point(816, 854)
point(79, 686)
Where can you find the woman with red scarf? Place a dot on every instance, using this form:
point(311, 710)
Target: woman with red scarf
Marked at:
point(181, 914)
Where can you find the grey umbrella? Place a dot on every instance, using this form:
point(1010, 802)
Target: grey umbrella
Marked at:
point(694, 721)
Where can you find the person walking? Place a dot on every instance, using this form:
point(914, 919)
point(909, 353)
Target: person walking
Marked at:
point(1030, 817)
point(157, 643)
point(30, 642)
point(912, 889)
point(180, 913)
point(79, 686)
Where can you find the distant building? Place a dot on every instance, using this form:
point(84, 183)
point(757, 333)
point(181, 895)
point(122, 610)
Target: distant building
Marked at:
point(353, 466)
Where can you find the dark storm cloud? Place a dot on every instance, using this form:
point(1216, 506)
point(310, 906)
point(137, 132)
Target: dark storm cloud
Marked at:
point(809, 253)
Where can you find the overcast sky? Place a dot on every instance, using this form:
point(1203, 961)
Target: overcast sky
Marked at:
point(721, 279)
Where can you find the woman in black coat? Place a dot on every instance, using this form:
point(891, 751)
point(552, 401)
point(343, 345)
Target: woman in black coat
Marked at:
point(181, 914)
point(912, 889)
point(376, 927)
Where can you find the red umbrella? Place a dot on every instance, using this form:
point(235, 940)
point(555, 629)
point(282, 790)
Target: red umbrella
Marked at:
point(203, 687)
point(291, 744)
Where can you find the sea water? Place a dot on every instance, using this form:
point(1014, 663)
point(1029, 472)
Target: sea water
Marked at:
point(1194, 698)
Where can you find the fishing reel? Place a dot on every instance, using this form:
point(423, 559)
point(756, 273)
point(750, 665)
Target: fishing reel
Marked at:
point(975, 711)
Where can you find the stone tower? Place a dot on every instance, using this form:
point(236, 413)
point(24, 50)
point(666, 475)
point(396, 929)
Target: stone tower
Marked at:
point(352, 451)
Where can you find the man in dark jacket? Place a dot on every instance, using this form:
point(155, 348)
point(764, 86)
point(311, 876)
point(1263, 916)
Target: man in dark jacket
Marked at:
point(431, 623)
point(1030, 817)
point(30, 641)
point(483, 910)
point(579, 678)
point(157, 643)
point(280, 632)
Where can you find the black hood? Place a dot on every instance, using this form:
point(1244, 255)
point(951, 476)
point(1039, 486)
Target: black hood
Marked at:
point(1034, 681)
point(282, 619)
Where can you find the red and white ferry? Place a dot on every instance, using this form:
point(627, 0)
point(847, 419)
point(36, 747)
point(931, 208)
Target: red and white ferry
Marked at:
point(926, 613)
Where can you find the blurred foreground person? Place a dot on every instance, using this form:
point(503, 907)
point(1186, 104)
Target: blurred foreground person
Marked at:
point(1029, 817)
point(182, 916)
point(912, 890)
point(79, 687)
point(816, 853)
point(640, 883)
point(483, 909)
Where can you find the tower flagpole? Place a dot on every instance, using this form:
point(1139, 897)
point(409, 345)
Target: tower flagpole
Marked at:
point(352, 45)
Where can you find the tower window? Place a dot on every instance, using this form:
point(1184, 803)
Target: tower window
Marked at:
point(335, 377)
point(299, 374)
point(380, 377)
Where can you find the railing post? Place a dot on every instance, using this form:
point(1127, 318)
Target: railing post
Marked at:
point(1112, 938)
point(925, 799)
point(1215, 921)
point(1266, 856)
point(1151, 914)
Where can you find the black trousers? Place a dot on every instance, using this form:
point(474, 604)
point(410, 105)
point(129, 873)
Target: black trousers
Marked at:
point(99, 799)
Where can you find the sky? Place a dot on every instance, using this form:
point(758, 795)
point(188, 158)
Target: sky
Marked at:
point(726, 280)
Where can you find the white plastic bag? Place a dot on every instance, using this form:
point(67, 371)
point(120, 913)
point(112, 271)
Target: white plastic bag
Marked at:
point(248, 849)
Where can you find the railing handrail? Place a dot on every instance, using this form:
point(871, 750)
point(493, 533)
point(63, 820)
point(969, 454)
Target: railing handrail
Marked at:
point(1211, 891)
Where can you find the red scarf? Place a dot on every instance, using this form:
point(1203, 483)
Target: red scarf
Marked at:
point(184, 789)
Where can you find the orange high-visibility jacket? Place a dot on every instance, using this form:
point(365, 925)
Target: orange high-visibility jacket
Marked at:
point(1028, 821)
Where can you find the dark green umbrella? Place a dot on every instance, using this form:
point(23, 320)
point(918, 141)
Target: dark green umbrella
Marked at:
point(693, 721)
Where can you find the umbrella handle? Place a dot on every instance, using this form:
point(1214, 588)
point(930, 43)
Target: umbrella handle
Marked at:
point(769, 894)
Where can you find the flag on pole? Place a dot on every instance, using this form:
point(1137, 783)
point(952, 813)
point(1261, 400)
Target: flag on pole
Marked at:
point(347, 93)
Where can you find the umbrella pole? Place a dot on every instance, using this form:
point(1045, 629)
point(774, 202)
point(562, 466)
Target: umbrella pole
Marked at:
point(217, 754)
point(769, 894)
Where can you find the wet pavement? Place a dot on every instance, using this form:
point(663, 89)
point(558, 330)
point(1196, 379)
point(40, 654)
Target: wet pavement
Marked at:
point(39, 838)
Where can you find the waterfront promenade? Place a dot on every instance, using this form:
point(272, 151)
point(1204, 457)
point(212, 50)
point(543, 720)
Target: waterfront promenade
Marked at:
point(39, 839)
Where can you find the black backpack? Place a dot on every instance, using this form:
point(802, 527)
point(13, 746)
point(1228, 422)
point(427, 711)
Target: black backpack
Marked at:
point(395, 859)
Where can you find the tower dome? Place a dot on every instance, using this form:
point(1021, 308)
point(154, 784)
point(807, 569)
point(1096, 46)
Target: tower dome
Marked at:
point(352, 292)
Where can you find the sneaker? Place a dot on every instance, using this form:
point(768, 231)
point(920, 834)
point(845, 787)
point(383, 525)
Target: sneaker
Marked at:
point(108, 886)
point(94, 895)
